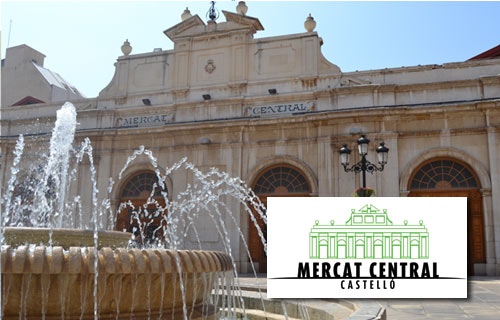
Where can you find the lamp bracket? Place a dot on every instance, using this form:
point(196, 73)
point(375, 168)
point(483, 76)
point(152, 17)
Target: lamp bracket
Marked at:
point(363, 165)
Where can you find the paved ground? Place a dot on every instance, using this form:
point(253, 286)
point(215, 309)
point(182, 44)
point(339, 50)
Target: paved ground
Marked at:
point(483, 302)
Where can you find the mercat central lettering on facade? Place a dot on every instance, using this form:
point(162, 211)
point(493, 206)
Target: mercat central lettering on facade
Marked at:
point(145, 120)
point(277, 109)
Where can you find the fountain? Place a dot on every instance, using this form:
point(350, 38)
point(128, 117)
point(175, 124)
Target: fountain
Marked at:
point(52, 270)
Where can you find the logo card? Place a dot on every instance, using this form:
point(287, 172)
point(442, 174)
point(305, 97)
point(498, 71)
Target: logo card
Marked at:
point(407, 247)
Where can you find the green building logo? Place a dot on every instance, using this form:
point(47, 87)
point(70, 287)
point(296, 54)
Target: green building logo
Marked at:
point(369, 234)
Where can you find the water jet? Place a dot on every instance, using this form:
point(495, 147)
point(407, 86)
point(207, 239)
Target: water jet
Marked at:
point(53, 271)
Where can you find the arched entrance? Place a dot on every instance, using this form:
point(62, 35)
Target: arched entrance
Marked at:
point(143, 219)
point(280, 180)
point(448, 177)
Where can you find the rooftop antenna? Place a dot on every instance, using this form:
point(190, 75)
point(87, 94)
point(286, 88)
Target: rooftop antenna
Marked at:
point(10, 28)
point(213, 14)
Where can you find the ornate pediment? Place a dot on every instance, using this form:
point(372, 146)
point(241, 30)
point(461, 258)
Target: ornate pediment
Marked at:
point(194, 26)
point(181, 27)
point(252, 22)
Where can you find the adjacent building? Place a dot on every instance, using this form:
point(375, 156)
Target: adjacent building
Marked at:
point(26, 81)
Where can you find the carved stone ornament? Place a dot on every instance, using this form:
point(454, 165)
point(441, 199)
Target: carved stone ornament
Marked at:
point(210, 67)
point(126, 48)
point(186, 14)
point(242, 8)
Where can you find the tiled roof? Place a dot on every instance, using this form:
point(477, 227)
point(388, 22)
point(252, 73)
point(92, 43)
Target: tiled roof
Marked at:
point(27, 100)
point(489, 54)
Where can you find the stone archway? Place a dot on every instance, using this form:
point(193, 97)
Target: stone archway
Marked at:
point(449, 177)
point(141, 189)
point(278, 180)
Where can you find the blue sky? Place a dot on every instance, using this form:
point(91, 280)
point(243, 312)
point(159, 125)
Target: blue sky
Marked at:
point(82, 39)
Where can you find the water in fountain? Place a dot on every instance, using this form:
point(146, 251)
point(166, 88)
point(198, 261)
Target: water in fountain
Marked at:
point(45, 198)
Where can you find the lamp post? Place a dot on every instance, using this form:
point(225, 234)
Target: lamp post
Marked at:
point(364, 165)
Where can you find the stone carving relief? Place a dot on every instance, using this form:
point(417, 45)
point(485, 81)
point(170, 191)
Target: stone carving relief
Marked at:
point(210, 67)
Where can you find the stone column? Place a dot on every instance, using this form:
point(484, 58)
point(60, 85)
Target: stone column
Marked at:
point(325, 173)
point(494, 160)
point(388, 180)
point(489, 232)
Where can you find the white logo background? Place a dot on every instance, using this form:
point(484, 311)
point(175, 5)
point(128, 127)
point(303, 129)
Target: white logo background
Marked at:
point(290, 220)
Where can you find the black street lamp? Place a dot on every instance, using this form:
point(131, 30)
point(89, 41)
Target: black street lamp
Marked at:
point(364, 165)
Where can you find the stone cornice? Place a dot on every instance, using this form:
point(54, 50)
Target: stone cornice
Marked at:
point(286, 37)
point(416, 86)
point(145, 55)
point(361, 114)
point(452, 65)
point(372, 114)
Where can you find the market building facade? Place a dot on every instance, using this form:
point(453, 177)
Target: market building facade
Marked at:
point(275, 112)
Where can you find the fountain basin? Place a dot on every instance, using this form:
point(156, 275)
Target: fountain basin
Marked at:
point(65, 238)
point(132, 283)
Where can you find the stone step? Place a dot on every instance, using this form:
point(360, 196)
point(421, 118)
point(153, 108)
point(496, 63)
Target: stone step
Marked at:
point(258, 305)
point(253, 314)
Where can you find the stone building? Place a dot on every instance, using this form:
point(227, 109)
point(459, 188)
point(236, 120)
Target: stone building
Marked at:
point(275, 112)
point(26, 81)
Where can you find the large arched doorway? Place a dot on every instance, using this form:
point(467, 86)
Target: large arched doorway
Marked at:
point(448, 177)
point(280, 180)
point(143, 218)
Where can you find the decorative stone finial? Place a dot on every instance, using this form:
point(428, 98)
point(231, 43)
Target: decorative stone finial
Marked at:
point(310, 24)
point(186, 14)
point(126, 48)
point(241, 8)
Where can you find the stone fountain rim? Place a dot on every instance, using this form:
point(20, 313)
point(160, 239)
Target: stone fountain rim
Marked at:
point(80, 260)
point(86, 231)
point(65, 237)
point(73, 257)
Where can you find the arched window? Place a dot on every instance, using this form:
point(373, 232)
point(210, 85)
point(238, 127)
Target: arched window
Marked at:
point(282, 179)
point(448, 177)
point(145, 217)
point(141, 185)
point(443, 174)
